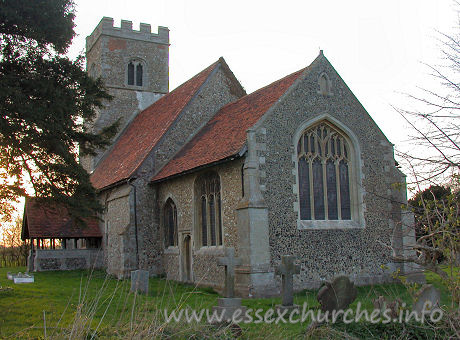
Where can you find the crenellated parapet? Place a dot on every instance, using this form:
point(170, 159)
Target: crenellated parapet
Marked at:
point(105, 27)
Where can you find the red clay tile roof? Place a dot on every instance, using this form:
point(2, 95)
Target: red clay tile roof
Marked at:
point(54, 222)
point(225, 134)
point(144, 132)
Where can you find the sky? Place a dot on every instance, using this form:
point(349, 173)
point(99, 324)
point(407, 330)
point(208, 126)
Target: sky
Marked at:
point(378, 47)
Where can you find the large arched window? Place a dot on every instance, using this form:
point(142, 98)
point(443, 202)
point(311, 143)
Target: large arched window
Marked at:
point(135, 72)
point(209, 207)
point(170, 224)
point(324, 165)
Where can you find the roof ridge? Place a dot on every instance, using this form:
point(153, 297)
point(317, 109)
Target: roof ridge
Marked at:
point(180, 86)
point(279, 80)
point(246, 110)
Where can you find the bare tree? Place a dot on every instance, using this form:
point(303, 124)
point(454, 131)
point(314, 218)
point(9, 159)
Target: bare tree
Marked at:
point(436, 120)
point(435, 162)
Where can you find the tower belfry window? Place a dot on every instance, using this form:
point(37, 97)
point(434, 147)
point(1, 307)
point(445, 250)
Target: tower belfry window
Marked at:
point(139, 75)
point(135, 73)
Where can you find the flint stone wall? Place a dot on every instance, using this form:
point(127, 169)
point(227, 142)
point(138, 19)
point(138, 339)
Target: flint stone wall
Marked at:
point(324, 254)
point(205, 271)
point(119, 241)
point(65, 259)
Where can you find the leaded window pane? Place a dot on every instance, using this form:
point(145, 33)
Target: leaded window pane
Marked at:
point(176, 234)
point(171, 225)
point(219, 218)
point(212, 219)
point(331, 191)
point(139, 75)
point(130, 73)
point(166, 225)
point(304, 192)
point(318, 193)
point(204, 224)
point(344, 191)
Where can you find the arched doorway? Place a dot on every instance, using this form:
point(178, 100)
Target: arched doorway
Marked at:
point(187, 259)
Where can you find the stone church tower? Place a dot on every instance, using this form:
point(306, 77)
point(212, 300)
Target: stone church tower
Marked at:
point(134, 66)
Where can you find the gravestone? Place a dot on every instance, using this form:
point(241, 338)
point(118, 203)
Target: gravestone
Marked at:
point(427, 298)
point(140, 281)
point(23, 278)
point(287, 269)
point(337, 295)
point(229, 304)
point(229, 262)
point(392, 307)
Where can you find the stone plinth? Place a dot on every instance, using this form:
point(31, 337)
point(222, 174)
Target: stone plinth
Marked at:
point(229, 308)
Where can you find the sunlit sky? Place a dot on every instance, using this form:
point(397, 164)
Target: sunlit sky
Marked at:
point(378, 47)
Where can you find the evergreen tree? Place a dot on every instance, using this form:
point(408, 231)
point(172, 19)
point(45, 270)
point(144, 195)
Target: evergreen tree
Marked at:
point(45, 98)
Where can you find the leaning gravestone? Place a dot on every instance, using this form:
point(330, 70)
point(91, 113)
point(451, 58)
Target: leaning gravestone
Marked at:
point(140, 281)
point(385, 305)
point(228, 305)
point(287, 269)
point(428, 297)
point(337, 295)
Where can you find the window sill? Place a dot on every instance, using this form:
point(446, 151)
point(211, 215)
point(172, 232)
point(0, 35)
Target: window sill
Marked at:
point(328, 225)
point(211, 250)
point(136, 87)
point(171, 250)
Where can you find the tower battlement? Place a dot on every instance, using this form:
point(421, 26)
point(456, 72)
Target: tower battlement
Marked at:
point(105, 27)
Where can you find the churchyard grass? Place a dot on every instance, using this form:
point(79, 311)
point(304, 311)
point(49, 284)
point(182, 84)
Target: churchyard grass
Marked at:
point(82, 304)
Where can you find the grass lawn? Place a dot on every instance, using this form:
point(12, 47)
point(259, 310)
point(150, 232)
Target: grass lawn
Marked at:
point(73, 303)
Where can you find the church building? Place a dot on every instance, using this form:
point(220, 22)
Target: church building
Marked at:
point(297, 167)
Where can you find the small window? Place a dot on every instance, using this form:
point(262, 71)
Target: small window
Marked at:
point(324, 85)
point(170, 224)
point(208, 207)
point(135, 73)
